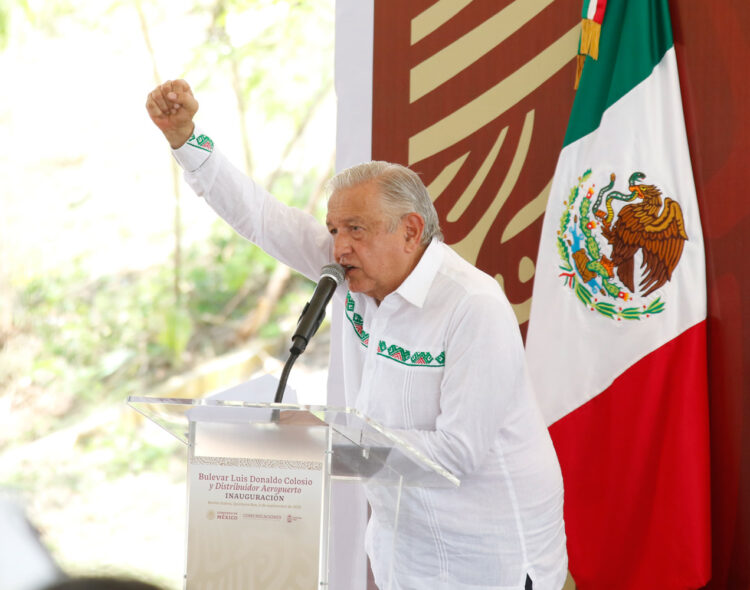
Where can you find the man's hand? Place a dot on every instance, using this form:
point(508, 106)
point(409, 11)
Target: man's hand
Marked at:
point(171, 107)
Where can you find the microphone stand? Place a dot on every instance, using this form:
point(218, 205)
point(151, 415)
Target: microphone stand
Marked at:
point(276, 413)
point(308, 324)
point(284, 376)
point(299, 343)
point(298, 347)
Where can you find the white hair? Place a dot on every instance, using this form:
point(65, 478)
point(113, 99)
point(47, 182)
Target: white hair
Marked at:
point(401, 192)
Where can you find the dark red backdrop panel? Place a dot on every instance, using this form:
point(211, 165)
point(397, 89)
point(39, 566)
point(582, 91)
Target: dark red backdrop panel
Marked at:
point(712, 41)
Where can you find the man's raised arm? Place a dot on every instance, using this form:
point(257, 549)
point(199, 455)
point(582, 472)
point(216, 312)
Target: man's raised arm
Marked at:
point(290, 235)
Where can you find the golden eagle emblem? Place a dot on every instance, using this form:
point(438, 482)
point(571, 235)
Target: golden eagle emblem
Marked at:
point(649, 224)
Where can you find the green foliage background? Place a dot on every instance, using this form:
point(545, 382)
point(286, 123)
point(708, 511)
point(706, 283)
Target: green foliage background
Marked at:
point(78, 336)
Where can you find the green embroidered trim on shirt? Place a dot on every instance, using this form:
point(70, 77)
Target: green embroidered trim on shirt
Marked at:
point(392, 352)
point(202, 142)
point(356, 321)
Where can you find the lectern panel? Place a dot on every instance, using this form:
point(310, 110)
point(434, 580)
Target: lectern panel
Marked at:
point(256, 506)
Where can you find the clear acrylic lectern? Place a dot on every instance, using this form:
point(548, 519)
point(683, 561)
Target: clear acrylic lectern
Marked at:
point(259, 484)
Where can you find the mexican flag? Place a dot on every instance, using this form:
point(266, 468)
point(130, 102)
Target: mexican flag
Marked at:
point(616, 343)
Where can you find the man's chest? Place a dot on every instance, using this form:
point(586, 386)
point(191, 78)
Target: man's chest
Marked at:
point(394, 362)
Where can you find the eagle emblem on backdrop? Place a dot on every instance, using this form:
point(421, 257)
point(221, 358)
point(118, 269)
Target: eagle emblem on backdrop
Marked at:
point(619, 248)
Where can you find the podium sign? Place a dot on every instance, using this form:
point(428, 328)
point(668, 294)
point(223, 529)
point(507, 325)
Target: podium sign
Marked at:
point(259, 485)
point(255, 510)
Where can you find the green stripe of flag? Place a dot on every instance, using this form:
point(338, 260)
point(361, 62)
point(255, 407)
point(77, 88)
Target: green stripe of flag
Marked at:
point(629, 49)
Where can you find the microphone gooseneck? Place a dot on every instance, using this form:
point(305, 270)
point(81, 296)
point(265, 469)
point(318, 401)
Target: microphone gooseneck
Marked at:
point(331, 276)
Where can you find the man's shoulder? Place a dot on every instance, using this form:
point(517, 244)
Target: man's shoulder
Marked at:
point(464, 289)
point(464, 277)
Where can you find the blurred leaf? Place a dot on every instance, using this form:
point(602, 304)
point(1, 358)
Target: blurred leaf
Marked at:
point(114, 361)
point(175, 332)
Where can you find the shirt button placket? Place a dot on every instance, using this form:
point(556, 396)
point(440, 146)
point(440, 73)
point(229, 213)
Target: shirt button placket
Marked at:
point(370, 368)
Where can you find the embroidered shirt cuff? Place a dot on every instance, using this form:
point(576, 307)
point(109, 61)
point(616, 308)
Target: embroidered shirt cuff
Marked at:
point(194, 152)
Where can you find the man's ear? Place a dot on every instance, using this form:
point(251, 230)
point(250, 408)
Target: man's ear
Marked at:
point(413, 228)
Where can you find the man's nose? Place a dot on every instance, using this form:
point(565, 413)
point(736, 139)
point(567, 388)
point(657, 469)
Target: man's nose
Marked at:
point(341, 246)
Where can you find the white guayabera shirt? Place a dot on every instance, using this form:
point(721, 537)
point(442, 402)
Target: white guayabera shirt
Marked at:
point(441, 361)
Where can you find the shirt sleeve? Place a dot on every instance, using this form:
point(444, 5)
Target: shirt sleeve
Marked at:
point(194, 152)
point(483, 387)
point(290, 235)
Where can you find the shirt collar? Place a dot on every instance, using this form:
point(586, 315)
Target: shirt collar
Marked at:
point(416, 286)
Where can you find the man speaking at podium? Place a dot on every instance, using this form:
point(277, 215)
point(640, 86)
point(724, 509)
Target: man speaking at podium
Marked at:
point(428, 346)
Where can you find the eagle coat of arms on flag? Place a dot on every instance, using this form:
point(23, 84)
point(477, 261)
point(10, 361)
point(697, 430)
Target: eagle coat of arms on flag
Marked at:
point(599, 245)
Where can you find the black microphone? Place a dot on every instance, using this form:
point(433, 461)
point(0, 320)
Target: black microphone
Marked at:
point(331, 276)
